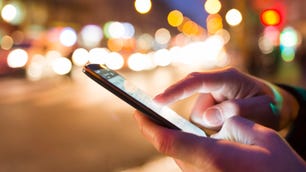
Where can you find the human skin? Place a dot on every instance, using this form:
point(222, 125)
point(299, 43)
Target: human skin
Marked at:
point(227, 98)
point(227, 92)
point(239, 146)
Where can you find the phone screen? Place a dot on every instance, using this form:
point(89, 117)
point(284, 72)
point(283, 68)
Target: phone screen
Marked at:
point(118, 85)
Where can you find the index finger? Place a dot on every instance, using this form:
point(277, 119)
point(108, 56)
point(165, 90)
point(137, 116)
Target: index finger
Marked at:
point(195, 82)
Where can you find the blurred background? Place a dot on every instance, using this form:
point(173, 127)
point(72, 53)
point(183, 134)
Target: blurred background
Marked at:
point(53, 118)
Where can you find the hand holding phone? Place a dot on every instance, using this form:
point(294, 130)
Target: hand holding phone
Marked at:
point(119, 86)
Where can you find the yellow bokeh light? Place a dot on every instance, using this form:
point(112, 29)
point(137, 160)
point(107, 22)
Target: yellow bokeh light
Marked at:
point(143, 6)
point(190, 28)
point(214, 23)
point(212, 6)
point(175, 18)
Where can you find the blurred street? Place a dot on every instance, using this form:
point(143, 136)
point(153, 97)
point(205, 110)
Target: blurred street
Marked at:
point(53, 118)
point(64, 124)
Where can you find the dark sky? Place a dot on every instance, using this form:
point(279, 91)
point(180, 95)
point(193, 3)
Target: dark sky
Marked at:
point(194, 9)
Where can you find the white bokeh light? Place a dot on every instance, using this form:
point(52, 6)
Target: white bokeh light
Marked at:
point(13, 13)
point(17, 58)
point(116, 30)
point(139, 62)
point(233, 17)
point(80, 56)
point(162, 36)
point(68, 37)
point(9, 13)
point(91, 36)
point(143, 6)
point(162, 57)
point(61, 65)
point(98, 55)
point(114, 61)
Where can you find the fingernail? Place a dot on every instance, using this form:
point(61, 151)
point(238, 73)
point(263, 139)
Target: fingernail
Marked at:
point(213, 117)
point(157, 97)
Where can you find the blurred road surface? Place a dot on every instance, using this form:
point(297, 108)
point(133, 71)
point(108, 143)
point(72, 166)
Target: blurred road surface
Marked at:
point(68, 124)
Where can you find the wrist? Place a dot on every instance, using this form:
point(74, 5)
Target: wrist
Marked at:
point(289, 110)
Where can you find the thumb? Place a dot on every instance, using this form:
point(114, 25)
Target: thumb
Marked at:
point(239, 130)
point(214, 116)
point(257, 109)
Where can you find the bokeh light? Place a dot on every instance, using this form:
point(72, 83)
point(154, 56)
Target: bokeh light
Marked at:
point(189, 27)
point(37, 67)
point(68, 37)
point(214, 23)
point(162, 57)
point(80, 56)
point(116, 30)
point(233, 17)
point(61, 65)
point(140, 61)
point(175, 18)
point(91, 36)
point(224, 34)
point(265, 45)
point(145, 42)
point(17, 58)
point(269, 40)
point(115, 44)
point(7, 42)
point(212, 6)
point(18, 37)
point(162, 36)
point(129, 30)
point(270, 17)
point(114, 61)
point(289, 37)
point(143, 6)
point(9, 13)
point(13, 13)
point(288, 54)
point(98, 55)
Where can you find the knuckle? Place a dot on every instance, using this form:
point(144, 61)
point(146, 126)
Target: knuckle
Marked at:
point(271, 134)
point(163, 143)
point(232, 70)
point(194, 75)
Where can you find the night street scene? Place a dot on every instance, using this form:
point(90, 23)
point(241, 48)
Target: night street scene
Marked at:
point(53, 118)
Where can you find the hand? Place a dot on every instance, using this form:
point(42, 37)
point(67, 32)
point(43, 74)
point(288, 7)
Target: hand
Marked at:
point(228, 92)
point(240, 145)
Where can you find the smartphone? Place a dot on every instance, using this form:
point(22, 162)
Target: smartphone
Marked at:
point(119, 86)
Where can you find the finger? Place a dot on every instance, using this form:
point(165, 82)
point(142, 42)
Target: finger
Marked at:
point(192, 149)
point(257, 109)
point(237, 129)
point(201, 83)
point(203, 102)
point(241, 130)
point(171, 142)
